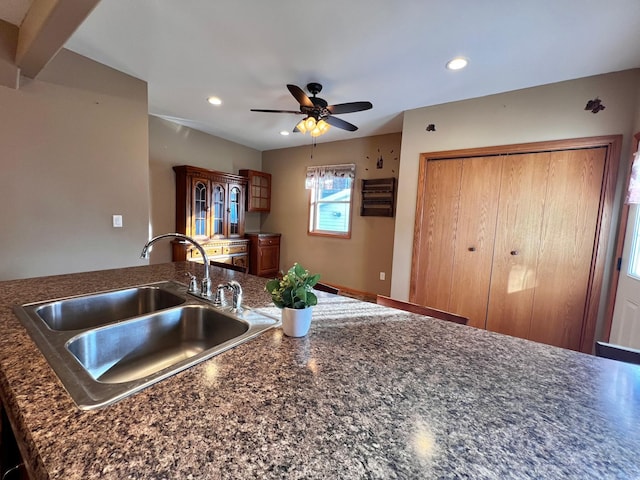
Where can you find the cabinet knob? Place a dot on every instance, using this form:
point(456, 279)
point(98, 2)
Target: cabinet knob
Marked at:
point(472, 249)
point(514, 252)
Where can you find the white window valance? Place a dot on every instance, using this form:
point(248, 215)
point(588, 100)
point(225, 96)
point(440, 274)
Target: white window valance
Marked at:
point(325, 175)
point(633, 194)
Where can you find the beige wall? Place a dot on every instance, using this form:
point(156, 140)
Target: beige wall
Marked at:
point(74, 151)
point(356, 262)
point(636, 124)
point(172, 144)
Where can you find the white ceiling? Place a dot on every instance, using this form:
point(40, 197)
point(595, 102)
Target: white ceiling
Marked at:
point(392, 53)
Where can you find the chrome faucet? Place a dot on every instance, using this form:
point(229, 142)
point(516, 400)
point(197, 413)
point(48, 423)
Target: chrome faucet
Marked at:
point(205, 289)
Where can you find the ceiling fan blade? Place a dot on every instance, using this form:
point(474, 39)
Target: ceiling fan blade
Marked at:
point(349, 107)
point(300, 96)
point(339, 123)
point(276, 111)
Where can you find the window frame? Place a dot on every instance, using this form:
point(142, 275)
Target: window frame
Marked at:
point(633, 268)
point(314, 205)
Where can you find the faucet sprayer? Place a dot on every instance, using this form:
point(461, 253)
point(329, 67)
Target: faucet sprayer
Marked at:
point(236, 289)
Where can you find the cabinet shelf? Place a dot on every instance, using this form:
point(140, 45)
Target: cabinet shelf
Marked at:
point(378, 197)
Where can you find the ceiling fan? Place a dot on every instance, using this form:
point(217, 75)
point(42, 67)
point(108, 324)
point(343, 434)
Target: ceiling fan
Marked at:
point(319, 115)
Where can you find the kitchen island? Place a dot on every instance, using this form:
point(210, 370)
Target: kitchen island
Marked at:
point(371, 392)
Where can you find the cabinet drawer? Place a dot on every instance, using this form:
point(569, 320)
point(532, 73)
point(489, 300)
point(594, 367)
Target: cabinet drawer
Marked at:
point(230, 249)
point(269, 241)
point(240, 260)
point(211, 251)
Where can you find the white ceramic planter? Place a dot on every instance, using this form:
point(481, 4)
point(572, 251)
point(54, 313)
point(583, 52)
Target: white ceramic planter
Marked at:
point(296, 322)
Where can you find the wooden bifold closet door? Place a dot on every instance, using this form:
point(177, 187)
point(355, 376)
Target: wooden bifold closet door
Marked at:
point(456, 248)
point(511, 241)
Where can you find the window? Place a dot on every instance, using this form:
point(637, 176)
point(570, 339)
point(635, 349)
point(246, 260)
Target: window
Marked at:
point(330, 199)
point(633, 197)
point(634, 259)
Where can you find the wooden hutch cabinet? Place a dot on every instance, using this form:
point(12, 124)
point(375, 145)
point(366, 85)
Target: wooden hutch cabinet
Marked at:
point(210, 209)
point(265, 254)
point(258, 190)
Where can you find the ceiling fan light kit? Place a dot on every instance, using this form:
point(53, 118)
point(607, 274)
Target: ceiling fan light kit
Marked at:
point(314, 128)
point(318, 113)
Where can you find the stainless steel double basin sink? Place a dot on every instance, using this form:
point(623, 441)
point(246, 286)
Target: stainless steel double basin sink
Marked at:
point(108, 345)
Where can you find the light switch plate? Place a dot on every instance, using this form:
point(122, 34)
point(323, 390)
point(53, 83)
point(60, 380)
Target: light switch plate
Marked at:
point(117, 221)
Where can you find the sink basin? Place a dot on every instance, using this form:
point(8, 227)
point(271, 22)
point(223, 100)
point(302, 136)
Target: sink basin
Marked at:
point(106, 346)
point(138, 348)
point(101, 308)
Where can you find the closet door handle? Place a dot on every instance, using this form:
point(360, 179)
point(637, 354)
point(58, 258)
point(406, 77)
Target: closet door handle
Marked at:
point(472, 249)
point(515, 252)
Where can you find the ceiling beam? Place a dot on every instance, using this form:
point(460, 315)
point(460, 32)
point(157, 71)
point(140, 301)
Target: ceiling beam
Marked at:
point(45, 29)
point(9, 72)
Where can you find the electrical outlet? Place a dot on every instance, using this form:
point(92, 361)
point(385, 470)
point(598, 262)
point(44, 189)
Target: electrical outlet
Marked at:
point(117, 221)
point(383, 276)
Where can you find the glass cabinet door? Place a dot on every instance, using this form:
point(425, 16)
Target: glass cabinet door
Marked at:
point(259, 190)
point(234, 210)
point(200, 208)
point(217, 221)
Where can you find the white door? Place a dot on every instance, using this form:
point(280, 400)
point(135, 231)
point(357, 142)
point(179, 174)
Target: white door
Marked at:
point(625, 328)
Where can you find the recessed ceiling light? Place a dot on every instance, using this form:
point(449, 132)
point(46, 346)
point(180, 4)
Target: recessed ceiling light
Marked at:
point(214, 101)
point(284, 133)
point(457, 63)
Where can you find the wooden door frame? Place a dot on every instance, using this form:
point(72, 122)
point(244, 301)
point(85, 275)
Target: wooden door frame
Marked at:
point(613, 145)
point(622, 232)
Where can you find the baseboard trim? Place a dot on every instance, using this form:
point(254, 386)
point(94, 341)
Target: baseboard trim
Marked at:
point(351, 292)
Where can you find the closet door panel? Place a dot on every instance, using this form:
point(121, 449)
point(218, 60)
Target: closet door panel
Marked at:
point(434, 252)
point(475, 236)
point(566, 246)
point(520, 212)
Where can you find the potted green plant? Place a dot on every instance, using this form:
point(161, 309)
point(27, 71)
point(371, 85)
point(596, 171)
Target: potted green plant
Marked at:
point(293, 293)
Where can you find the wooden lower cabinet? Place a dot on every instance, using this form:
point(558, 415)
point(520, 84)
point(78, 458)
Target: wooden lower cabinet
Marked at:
point(264, 253)
point(514, 242)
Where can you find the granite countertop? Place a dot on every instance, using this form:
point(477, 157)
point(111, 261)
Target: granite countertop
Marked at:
point(371, 393)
